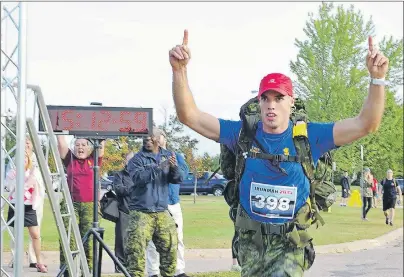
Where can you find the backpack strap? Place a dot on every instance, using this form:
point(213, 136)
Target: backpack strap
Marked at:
point(274, 158)
point(245, 142)
point(249, 119)
point(301, 142)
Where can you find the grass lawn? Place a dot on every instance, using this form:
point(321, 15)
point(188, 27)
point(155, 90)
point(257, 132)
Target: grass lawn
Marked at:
point(207, 225)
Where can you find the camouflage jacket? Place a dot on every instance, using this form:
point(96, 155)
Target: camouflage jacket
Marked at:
point(367, 189)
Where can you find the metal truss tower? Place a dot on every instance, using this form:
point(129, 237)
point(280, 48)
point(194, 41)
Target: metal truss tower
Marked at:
point(13, 101)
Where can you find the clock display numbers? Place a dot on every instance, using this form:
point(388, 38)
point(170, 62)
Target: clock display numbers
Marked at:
point(101, 120)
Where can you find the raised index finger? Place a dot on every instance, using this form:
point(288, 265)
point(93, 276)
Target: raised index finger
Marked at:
point(185, 39)
point(370, 41)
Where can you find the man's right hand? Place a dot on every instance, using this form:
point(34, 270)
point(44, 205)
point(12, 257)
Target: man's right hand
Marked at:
point(180, 54)
point(187, 111)
point(173, 161)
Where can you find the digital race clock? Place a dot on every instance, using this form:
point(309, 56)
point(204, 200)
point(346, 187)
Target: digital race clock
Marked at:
point(100, 121)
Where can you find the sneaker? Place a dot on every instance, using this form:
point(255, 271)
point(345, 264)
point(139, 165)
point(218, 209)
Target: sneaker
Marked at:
point(387, 221)
point(391, 223)
point(32, 265)
point(235, 267)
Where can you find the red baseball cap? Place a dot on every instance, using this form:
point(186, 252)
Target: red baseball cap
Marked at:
point(276, 82)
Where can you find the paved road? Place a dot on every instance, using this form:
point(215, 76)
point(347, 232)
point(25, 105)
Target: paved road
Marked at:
point(384, 261)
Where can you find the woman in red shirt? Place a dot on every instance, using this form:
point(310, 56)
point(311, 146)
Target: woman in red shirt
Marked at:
point(79, 168)
point(374, 190)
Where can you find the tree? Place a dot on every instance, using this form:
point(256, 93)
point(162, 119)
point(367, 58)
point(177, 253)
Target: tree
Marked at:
point(215, 162)
point(11, 123)
point(176, 140)
point(333, 79)
point(116, 151)
point(207, 163)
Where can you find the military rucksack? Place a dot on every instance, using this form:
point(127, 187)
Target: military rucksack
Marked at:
point(322, 191)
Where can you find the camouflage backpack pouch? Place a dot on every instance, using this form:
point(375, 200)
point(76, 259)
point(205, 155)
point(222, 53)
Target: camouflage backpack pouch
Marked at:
point(227, 165)
point(325, 194)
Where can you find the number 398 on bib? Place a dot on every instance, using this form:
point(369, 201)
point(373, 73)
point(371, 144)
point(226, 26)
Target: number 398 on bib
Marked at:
point(273, 201)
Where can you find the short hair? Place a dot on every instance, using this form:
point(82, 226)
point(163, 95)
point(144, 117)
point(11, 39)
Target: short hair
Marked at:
point(88, 143)
point(158, 132)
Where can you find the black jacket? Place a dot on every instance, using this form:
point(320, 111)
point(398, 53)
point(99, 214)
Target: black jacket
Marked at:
point(151, 175)
point(345, 183)
point(122, 185)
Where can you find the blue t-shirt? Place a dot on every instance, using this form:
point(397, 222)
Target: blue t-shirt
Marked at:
point(174, 189)
point(267, 194)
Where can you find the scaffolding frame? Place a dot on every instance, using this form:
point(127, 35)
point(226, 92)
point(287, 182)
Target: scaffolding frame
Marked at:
point(14, 91)
point(14, 70)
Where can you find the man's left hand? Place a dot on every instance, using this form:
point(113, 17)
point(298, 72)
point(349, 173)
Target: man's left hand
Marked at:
point(376, 62)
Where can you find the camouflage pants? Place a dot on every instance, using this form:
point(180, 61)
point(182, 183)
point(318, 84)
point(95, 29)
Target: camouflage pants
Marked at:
point(84, 217)
point(280, 258)
point(142, 228)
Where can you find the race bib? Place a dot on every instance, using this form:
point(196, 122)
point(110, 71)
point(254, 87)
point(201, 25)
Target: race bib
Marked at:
point(273, 201)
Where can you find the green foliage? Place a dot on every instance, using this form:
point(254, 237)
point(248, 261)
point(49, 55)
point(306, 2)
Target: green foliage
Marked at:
point(115, 152)
point(176, 140)
point(215, 162)
point(333, 79)
point(330, 64)
point(10, 136)
point(208, 163)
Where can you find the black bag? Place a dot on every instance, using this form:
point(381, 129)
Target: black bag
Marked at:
point(109, 207)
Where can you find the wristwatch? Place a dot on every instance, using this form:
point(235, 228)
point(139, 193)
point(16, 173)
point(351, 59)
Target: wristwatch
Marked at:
point(378, 82)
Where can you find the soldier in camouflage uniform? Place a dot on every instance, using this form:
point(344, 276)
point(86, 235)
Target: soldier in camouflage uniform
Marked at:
point(80, 178)
point(275, 196)
point(151, 170)
point(84, 215)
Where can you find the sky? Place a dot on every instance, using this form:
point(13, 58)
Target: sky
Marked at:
point(117, 53)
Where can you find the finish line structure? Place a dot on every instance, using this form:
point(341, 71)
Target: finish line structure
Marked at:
point(23, 110)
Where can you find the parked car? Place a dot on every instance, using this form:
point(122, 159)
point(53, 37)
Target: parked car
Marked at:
point(215, 185)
